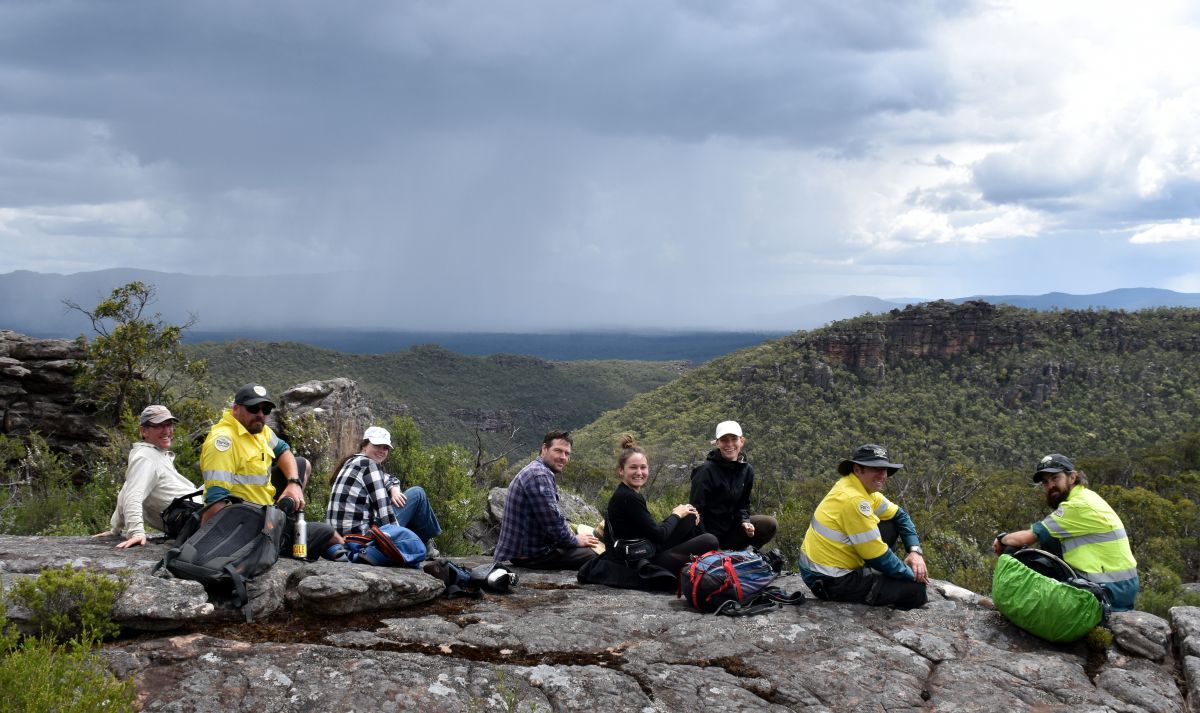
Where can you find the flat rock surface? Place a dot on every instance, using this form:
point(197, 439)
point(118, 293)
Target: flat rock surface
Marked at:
point(555, 645)
point(341, 637)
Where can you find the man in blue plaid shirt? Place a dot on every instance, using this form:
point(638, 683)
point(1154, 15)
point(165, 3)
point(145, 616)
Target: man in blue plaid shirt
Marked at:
point(534, 532)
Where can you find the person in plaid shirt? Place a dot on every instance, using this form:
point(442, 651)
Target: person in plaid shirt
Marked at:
point(534, 532)
point(363, 494)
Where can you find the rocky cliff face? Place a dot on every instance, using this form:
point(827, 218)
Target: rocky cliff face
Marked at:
point(37, 377)
point(944, 329)
point(340, 640)
point(338, 405)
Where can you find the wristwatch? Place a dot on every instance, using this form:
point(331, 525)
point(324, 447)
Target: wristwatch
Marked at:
point(917, 549)
point(296, 481)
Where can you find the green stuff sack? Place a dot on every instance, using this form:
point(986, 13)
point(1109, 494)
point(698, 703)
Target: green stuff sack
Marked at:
point(1042, 606)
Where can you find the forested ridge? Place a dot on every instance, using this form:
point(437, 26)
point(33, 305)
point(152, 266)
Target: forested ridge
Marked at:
point(449, 395)
point(968, 397)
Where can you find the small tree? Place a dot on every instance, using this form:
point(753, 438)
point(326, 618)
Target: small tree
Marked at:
point(134, 359)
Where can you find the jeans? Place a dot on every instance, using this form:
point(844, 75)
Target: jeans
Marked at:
point(417, 515)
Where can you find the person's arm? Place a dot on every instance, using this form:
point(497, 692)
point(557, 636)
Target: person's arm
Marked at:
point(287, 465)
point(396, 490)
point(543, 510)
point(701, 490)
point(743, 504)
point(377, 482)
point(139, 478)
point(908, 535)
point(891, 566)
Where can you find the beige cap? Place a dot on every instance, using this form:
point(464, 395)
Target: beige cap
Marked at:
point(155, 414)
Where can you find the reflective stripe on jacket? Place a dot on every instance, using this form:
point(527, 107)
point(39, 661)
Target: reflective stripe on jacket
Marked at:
point(1093, 537)
point(844, 531)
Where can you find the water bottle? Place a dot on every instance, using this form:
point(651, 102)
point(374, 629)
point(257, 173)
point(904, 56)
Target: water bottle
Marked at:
point(300, 541)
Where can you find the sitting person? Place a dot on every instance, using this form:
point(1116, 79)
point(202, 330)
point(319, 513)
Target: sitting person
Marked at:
point(721, 488)
point(243, 458)
point(1083, 529)
point(847, 552)
point(675, 540)
point(364, 495)
point(151, 481)
point(533, 532)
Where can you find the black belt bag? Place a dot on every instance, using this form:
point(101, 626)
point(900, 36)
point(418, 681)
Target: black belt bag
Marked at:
point(633, 551)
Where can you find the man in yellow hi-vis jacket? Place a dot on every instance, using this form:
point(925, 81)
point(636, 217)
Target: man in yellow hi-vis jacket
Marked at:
point(1083, 529)
point(847, 552)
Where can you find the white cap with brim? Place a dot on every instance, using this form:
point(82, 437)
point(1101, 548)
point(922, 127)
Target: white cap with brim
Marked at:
point(726, 428)
point(378, 436)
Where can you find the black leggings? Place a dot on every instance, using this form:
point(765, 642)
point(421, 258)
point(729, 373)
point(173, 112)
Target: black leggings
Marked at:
point(675, 558)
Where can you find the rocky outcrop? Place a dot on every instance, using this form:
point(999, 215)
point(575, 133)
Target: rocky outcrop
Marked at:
point(553, 644)
point(160, 602)
point(37, 379)
point(338, 405)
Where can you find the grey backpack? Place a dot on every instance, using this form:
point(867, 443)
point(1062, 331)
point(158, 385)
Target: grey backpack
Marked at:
point(237, 543)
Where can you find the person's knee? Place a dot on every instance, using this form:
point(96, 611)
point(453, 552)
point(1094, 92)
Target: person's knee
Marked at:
point(416, 494)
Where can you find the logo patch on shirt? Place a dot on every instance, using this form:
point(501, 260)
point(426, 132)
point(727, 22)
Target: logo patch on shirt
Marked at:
point(864, 508)
point(1058, 512)
point(222, 443)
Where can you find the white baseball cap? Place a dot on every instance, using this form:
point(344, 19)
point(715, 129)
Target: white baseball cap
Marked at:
point(725, 428)
point(378, 436)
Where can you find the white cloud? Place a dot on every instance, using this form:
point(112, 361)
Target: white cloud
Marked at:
point(1181, 230)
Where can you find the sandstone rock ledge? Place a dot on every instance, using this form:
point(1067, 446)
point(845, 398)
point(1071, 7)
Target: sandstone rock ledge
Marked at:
point(555, 645)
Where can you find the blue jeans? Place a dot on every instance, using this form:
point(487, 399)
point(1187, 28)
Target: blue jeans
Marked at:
point(417, 515)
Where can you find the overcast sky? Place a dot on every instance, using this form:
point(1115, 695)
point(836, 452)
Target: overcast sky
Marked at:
point(621, 155)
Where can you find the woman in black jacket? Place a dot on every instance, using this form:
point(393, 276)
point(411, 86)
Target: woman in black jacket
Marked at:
point(721, 488)
point(675, 540)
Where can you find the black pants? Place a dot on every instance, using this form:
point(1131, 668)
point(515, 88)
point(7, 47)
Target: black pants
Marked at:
point(764, 531)
point(564, 557)
point(674, 558)
point(869, 586)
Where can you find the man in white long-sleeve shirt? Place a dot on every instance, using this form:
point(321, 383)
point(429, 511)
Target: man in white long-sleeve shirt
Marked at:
point(151, 481)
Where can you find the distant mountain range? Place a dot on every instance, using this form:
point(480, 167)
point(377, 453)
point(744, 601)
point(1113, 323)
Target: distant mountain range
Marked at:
point(355, 314)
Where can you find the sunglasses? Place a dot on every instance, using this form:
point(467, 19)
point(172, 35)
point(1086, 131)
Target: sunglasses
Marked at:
point(264, 409)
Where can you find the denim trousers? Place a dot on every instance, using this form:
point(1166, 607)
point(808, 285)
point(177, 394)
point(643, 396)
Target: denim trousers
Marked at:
point(417, 515)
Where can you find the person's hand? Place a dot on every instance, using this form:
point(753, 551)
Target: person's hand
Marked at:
point(997, 546)
point(749, 528)
point(134, 541)
point(398, 498)
point(917, 562)
point(295, 492)
point(682, 511)
point(587, 540)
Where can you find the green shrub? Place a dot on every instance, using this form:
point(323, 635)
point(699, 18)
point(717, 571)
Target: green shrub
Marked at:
point(71, 605)
point(39, 485)
point(38, 675)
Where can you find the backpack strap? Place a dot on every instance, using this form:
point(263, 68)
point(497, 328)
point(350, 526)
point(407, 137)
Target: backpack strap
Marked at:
point(385, 544)
point(242, 597)
point(757, 605)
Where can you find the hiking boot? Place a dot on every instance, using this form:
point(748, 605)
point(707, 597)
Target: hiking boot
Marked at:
point(431, 552)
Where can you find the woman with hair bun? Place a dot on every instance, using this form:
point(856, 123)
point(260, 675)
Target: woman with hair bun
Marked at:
point(675, 540)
